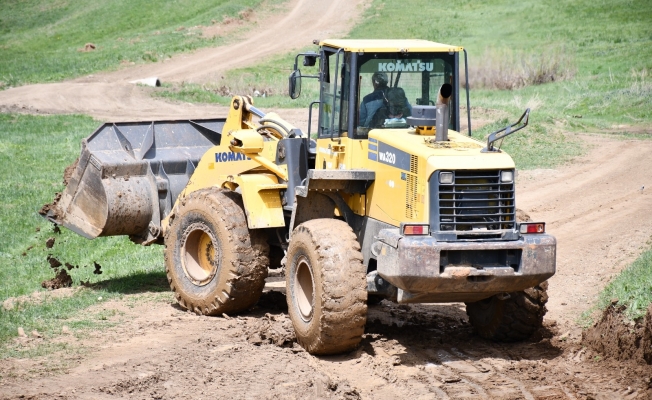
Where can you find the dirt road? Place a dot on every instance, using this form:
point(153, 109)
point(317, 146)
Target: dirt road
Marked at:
point(110, 96)
point(597, 207)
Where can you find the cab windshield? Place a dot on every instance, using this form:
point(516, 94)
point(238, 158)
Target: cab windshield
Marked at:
point(389, 84)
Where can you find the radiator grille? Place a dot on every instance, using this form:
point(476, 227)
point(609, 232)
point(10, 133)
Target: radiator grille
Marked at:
point(476, 200)
point(411, 189)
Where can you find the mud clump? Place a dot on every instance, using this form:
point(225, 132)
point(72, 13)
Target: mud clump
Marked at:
point(49, 243)
point(271, 329)
point(26, 250)
point(87, 47)
point(98, 269)
point(522, 216)
point(70, 169)
point(615, 337)
point(61, 280)
point(136, 385)
point(54, 263)
point(344, 390)
point(52, 208)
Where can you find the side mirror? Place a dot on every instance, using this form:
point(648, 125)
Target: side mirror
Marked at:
point(295, 84)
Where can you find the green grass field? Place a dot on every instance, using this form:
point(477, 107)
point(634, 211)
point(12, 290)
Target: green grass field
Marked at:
point(605, 46)
point(40, 41)
point(34, 150)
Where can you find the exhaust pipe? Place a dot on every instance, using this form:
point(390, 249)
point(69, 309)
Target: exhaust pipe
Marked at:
point(443, 112)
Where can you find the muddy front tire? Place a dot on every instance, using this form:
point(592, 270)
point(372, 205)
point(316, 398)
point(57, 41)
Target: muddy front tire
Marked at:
point(214, 264)
point(512, 319)
point(326, 286)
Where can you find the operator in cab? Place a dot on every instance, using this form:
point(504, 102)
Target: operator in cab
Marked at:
point(374, 100)
point(394, 110)
point(384, 105)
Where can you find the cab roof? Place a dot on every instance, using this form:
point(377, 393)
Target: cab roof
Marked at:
point(389, 45)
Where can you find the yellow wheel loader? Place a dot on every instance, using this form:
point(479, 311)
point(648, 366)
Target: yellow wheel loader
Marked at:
point(386, 199)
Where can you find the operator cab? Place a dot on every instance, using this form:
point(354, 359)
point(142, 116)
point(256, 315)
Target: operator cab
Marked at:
point(374, 84)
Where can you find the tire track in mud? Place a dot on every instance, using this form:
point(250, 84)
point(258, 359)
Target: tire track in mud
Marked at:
point(420, 351)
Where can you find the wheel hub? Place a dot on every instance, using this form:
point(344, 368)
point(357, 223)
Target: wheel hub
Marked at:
point(199, 256)
point(304, 288)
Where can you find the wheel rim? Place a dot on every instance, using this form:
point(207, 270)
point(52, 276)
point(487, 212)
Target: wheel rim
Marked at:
point(199, 256)
point(304, 288)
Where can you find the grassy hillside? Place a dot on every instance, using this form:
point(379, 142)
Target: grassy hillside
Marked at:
point(608, 42)
point(597, 55)
point(41, 40)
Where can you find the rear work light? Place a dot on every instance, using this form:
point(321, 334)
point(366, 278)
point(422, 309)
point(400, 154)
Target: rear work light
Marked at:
point(533, 227)
point(415, 229)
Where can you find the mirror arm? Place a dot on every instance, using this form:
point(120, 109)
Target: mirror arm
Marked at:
point(307, 54)
point(506, 131)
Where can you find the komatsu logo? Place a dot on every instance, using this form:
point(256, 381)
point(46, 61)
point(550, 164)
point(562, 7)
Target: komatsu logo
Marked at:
point(230, 156)
point(406, 67)
point(388, 157)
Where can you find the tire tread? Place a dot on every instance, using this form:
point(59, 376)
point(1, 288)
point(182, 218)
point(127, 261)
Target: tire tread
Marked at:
point(248, 269)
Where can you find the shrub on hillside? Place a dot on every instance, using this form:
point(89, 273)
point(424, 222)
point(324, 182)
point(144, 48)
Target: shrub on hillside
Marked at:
point(507, 69)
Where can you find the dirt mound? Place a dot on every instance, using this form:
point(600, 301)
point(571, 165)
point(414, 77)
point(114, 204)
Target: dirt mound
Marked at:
point(61, 280)
point(616, 337)
point(271, 329)
point(87, 47)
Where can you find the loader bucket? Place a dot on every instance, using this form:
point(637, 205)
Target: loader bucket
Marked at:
point(129, 175)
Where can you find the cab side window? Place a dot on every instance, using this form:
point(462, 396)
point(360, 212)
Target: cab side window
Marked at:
point(335, 78)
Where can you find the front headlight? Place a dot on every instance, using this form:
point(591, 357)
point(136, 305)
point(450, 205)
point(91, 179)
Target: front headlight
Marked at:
point(507, 176)
point(446, 178)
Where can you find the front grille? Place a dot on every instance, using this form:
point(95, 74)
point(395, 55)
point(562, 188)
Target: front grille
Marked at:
point(476, 200)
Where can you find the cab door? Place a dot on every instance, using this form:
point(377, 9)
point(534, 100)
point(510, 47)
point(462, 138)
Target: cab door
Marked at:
point(335, 108)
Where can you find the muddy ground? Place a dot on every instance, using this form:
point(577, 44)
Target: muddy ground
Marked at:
point(597, 207)
point(157, 350)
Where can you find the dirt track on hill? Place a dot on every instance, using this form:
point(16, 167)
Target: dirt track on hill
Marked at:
point(110, 97)
point(597, 207)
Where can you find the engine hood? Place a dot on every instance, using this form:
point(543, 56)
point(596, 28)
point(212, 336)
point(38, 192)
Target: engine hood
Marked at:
point(459, 152)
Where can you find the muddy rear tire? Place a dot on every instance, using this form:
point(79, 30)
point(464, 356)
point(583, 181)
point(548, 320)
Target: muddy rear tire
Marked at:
point(214, 264)
point(326, 286)
point(509, 320)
